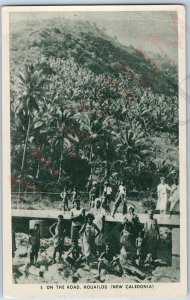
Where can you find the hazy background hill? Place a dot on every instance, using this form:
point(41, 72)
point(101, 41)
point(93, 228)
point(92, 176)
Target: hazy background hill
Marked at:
point(93, 48)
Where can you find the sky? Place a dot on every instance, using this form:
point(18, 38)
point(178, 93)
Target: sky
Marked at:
point(145, 30)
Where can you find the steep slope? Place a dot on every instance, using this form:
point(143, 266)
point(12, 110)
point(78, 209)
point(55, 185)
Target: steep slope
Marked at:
point(91, 47)
point(96, 108)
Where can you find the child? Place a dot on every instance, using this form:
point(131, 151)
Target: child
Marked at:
point(93, 194)
point(74, 256)
point(126, 239)
point(57, 231)
point(108, 261)
point(34, 243)
point(74, 196)
point(140, 249)
point(65, 202)
point(125, 236)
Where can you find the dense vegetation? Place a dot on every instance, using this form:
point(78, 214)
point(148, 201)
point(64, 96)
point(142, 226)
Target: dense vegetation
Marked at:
point(84, 106)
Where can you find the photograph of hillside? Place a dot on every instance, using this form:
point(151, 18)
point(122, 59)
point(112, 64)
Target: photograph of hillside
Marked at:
point(94, 127)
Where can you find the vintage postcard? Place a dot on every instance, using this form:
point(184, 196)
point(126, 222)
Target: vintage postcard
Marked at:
point(94, 151)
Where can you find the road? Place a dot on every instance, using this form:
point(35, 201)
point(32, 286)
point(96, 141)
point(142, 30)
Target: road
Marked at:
point(163, 220)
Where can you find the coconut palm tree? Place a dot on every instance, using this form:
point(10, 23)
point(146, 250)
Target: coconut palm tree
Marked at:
point(31, 82)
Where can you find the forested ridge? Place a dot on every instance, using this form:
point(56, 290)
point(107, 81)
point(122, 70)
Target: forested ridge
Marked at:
point(84, 106)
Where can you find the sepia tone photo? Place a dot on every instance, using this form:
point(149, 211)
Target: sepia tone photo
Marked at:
point(94, 124)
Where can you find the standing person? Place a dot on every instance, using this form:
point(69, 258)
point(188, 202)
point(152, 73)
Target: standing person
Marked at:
point(33, 245)
point(37, 234)
point(77, 218)
point(125, 239)
point(89, 232)
point(174, 197)
point(37, 231)
point(74, 196)
point(94, 193)
point(57, 231)
point(109, 261)
point(13, 243)
point(162, 190)
point(108, 195)
point(140, 246)
point(151, 234)
point(99, 219)
point(121, 198)
point(64, 195)
point(135, 225)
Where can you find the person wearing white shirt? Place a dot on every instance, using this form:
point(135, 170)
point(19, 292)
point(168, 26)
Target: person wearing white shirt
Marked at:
point(162, 191)
point(121, 198)
point(107, 193)
point(174, 197)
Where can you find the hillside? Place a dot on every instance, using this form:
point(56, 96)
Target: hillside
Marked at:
point(85, 105)
point(92, 48)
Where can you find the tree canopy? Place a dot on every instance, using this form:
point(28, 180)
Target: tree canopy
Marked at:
point(84, 106)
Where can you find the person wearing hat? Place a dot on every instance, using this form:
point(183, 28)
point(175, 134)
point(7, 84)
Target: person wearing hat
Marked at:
point(57, 231)
point(109, 261)
point(151, 235)
point(162, 191)
point(89, 232)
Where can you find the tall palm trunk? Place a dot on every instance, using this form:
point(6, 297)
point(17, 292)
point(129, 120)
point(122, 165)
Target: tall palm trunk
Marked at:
point(38, 170)
point(61, 159)
point(89, 184)
point(107, 161)
point(62, 143)
point(26, 144)
point(24, 154)
point(90, 161)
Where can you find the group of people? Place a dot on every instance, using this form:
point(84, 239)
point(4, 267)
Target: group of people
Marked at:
point(89, 243)
point(67, 195)
point(106, 196)
point(168, 196)
point(89, 239)
point(139, 242)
